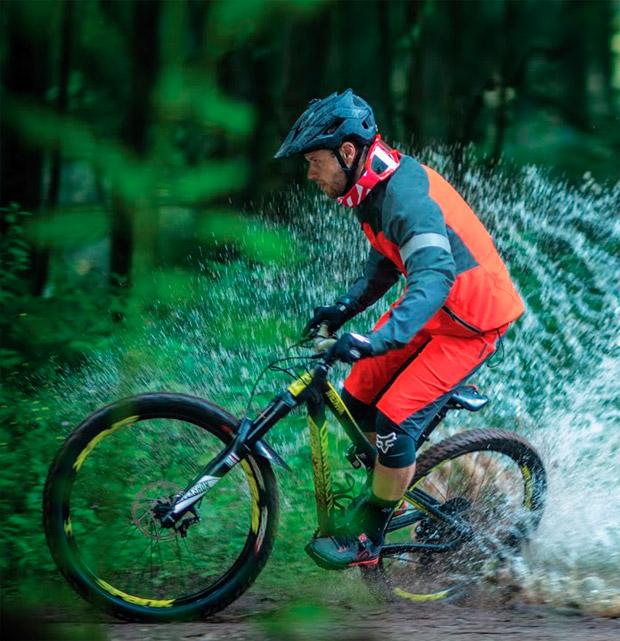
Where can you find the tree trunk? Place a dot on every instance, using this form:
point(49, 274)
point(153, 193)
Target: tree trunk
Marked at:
point(21, 166)
point(507, 53)
point(144, 67)
point(51, 201)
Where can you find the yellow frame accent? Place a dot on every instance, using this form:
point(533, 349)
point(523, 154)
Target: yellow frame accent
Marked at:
point(322, 471)
point(298, 386)
point(338, 403)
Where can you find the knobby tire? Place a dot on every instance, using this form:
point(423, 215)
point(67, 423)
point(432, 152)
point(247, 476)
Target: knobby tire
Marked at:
point(184, 412)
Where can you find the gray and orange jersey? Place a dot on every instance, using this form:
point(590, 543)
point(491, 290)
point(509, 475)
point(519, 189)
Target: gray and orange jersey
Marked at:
point(456, 283)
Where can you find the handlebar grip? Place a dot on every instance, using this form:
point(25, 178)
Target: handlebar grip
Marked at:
point(322, 341)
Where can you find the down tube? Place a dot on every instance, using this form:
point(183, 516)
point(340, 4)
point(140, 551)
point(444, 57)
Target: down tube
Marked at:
point(342, 413)
point(321, 469)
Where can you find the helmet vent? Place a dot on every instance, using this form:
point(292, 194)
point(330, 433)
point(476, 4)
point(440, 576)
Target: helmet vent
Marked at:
point(334, 126)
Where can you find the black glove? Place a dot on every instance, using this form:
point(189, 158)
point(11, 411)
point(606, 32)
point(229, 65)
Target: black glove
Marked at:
point(350, 348)
point(334, 315)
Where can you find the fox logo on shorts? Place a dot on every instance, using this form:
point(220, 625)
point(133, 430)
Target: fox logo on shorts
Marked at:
point(385, 442)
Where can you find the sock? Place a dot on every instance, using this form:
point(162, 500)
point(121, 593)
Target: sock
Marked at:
point(377, 513)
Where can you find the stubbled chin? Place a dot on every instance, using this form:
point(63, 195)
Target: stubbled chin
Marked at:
point(328, 191)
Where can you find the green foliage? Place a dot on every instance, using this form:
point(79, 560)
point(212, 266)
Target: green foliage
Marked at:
point(66, 327)
point(14, 251)
point(71, 228)
point(251, 237)
point(188, 93)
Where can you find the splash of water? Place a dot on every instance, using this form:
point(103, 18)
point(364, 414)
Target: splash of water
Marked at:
point(558, 385)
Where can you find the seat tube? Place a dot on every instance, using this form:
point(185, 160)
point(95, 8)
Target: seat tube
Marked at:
point(321, 469)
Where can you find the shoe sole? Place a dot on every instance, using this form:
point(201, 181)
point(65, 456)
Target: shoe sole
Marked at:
point(330, 565)
point(366, 563)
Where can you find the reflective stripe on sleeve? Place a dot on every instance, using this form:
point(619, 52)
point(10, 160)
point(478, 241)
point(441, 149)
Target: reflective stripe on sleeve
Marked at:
point(420, 241)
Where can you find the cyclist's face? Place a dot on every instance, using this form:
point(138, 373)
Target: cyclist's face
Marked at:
point(325, 170)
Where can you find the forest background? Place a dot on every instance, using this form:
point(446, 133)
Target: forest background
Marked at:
point(136, 150)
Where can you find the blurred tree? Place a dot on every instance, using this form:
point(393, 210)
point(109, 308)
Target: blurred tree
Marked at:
point(144, 61)
point(27, 32)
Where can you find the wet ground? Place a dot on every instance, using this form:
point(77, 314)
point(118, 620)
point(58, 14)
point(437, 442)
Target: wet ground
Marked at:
point(268, 622)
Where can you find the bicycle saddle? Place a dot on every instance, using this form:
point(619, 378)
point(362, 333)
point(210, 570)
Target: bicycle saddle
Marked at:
point(467, 397)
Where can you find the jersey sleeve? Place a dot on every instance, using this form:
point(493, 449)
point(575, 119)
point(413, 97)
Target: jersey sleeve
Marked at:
point(378, 276)
point(414, 221)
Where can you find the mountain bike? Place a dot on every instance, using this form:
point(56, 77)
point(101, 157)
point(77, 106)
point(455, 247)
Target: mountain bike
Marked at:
point(164, 506)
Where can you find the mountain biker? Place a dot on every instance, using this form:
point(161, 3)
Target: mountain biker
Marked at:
point(457, 303)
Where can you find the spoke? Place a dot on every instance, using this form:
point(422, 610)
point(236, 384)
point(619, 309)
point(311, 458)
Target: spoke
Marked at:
point(176, 540)
point(139, 519)
point(473, 471)
point(161, 558)
point(151, 552)
point(144, 549)
point(189, 553)
point(437, 490)
point(481, 485)
point(129, 537)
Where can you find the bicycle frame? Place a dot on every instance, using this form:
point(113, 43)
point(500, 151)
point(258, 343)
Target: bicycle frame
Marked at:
point(313, 389)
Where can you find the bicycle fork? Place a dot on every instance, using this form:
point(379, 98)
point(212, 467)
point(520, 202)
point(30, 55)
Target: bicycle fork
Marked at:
point(246, 441)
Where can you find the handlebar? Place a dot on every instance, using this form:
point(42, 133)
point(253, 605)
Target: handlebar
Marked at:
point(322, 340)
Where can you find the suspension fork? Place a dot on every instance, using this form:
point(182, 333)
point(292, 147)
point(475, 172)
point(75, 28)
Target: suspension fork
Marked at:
point(247, 437)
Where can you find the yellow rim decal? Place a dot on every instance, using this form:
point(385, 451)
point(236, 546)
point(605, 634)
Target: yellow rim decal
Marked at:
point(136, 600)
point(254, 492)
point(257, 475)
point(529, 489)
point(91, 446)
point(437, 596)
point(68, 528)
point(298, 386)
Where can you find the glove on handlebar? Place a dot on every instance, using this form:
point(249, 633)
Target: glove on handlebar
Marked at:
point(334, 315)
point(350, 347)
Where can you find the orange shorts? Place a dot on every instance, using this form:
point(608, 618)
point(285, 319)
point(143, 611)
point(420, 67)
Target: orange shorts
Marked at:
point(410, 385)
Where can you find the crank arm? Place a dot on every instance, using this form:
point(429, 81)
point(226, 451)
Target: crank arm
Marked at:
point(409, 548)
point(403, 521)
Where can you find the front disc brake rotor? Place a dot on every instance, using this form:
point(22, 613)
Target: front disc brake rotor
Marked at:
point(143, 509)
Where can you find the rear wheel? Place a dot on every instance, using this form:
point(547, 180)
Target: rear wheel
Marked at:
point(490, 481)
point(100, 510)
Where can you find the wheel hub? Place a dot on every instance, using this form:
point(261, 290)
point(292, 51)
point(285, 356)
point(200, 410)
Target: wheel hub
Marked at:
point(147, 507)
point(432, 531)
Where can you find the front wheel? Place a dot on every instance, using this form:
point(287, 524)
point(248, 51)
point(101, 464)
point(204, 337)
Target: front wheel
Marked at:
point(100, 518)
point(492, 484)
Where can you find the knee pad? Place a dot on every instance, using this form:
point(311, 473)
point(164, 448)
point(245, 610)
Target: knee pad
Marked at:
point(365, 415)
point(394, 446)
